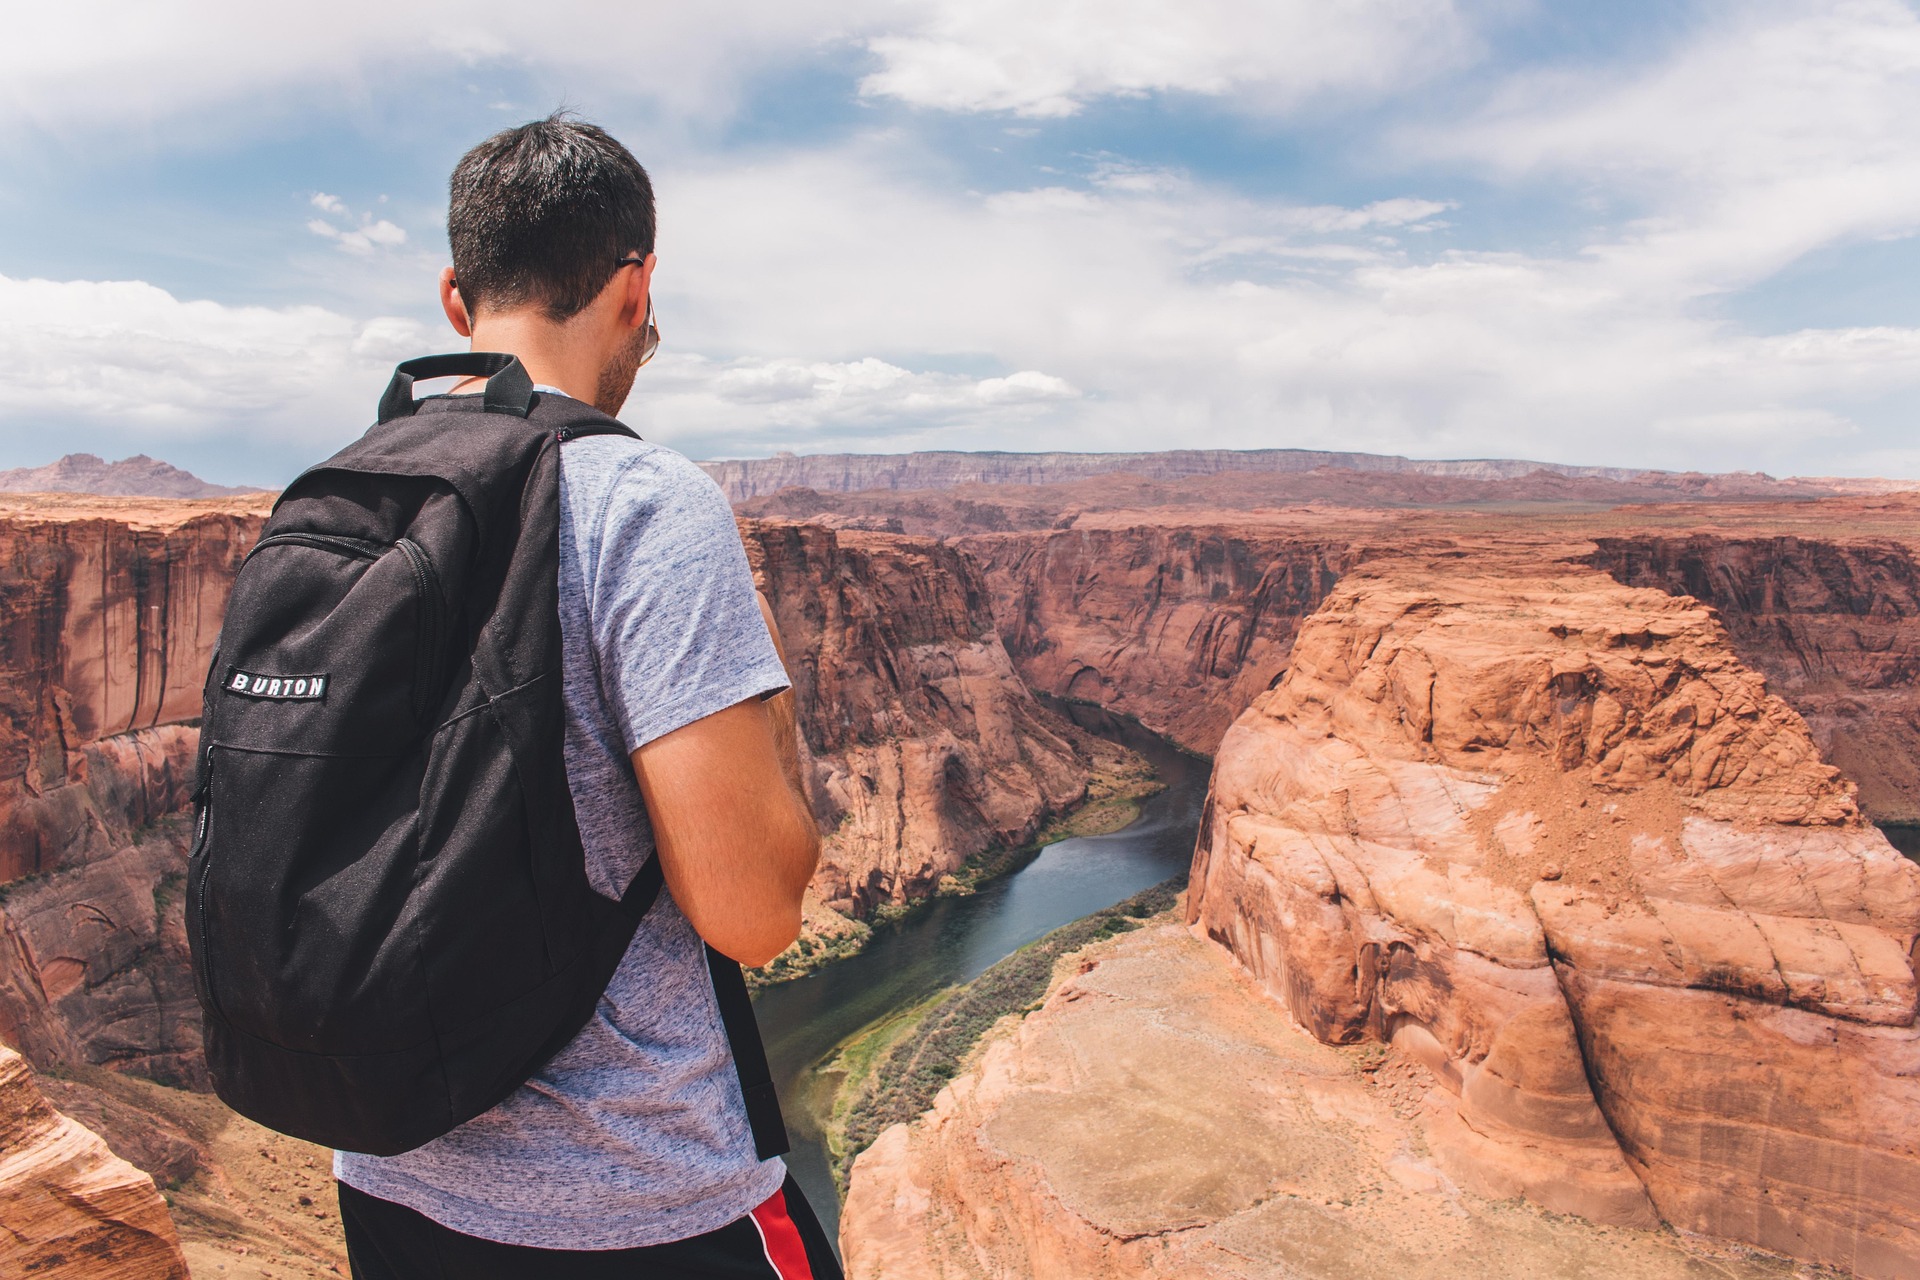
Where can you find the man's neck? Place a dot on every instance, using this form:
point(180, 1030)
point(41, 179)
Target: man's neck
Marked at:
point(552, 355)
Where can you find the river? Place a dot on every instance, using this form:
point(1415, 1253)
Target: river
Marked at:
point(953, 940)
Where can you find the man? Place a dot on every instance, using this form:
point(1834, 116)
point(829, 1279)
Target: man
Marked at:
point(629, 1154)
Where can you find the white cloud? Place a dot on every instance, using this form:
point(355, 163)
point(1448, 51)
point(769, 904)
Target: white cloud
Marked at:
point(95, 62)
point(812, 298)
point(360, 237)
point(369, 235)
point(125, 352)
point(85, 63)
point(1051, 57)
point(868, 390)
point(1399, 212)
point(1785, 127)
point(1184, 313)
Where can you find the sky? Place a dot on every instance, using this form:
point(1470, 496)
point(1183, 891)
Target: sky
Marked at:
point(1645, 233)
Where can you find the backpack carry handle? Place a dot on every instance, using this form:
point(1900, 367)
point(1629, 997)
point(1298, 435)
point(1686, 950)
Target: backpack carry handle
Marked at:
point(509, 385)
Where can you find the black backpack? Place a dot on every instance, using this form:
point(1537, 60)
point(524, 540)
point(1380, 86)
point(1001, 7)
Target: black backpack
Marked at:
point(387, 899)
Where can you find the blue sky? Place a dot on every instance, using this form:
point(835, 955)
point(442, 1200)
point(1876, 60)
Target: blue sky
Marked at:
point(1664, 234)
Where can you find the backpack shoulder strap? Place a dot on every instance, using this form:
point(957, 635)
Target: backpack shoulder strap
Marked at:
point(749, 1057)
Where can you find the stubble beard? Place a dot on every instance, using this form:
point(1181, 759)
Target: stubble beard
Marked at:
point(616, 379)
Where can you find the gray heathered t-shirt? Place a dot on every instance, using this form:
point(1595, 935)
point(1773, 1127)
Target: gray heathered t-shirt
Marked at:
point(635, 1134)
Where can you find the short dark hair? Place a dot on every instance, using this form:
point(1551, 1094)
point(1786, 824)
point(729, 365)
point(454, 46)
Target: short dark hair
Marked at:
point(540, 215)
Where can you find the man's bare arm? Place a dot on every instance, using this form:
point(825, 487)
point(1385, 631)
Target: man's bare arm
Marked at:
point(735, 835)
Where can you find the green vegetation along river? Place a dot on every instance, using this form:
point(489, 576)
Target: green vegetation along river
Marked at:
point(956, 939)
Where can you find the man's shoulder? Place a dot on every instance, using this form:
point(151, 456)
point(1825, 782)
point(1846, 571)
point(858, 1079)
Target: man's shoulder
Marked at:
point(636, 475)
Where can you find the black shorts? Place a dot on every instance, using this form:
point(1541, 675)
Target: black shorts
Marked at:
point(780, 1240)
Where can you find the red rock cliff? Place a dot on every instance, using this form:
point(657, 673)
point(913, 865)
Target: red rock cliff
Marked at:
point(1178, 626)
point(1549, 834)
point(109, 611)
point(1834, 625)
point(106, 629)
point(925, 747)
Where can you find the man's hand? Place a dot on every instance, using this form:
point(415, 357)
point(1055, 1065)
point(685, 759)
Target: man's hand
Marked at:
point(732, 825)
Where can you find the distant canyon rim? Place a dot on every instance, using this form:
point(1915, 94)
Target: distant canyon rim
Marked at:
point(1481, 657)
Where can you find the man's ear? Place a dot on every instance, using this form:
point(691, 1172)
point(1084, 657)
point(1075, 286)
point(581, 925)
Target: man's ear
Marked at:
point(633, 306)
point(454, 305)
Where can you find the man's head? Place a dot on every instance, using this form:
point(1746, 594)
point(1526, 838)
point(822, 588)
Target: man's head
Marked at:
point(539, 220)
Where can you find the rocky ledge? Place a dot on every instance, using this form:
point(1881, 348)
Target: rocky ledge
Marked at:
point(68, 1206)
point(1160, 1116)
point(1547, 834)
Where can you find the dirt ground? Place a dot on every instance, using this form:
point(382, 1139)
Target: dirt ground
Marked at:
point(250, 1204)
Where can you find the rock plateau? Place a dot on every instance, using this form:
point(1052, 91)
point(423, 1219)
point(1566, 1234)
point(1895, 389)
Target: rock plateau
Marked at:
point(747, 478)
point(1160, 1117)
point(138, 477)
point(1549, 835)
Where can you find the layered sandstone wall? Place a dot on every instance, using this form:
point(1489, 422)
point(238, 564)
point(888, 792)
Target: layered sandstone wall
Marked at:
point(923, 745)
point(1178, 626)
point(1549, 834)
point(1834, 625)
point(69, 1207)
point(107, 627)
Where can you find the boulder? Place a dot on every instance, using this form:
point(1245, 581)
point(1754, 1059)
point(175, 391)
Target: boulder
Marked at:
point(70, 1207)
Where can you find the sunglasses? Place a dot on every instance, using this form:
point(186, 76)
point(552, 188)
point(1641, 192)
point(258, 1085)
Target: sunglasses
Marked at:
point(650, 342)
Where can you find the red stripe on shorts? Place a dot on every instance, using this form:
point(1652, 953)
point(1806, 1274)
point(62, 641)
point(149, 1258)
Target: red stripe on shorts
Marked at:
point(781, 1239)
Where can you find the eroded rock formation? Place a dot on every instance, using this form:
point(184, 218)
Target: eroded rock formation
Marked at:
point(109, 626)
point(1549, 834)
point(69, 1207)
point(1178, 626)
point(1160, 1117)
point(1833, 623)
point(138, 476)
point(924, 745)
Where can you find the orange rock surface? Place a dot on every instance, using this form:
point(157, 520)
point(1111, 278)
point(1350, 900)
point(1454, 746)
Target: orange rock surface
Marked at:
point(1179, 626)
point(1181, 616)
point(110, 610)
point(924, 746)
point(1833, 622)
point(69, 1207)
point(1548, 834)
point(1161, 1117)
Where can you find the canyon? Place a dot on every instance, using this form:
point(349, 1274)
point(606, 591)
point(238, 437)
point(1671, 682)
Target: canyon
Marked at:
point(111, 610)
point(1423, 693)
point(921, 745)
point(1538, 851)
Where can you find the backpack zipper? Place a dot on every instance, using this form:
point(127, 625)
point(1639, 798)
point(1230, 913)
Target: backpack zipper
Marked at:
point(358, 548)
point(427, 640)
point(203, 851)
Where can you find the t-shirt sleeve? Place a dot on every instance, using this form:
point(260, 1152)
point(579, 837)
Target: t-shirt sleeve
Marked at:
point(677, 632)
